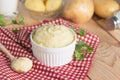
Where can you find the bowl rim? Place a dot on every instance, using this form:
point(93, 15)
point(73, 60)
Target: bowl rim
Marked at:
point(73, 42)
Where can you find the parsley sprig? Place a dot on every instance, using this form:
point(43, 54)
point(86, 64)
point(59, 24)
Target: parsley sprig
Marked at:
point(20, 21)
point(2, 21)
point(15, 31)
point(81, 32)
point(81, 47)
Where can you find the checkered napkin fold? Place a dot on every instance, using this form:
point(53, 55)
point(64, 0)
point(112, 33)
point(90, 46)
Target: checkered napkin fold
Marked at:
point(19, 45)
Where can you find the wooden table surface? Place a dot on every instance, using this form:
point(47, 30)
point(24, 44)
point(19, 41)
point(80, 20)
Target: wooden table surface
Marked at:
point(106, 63)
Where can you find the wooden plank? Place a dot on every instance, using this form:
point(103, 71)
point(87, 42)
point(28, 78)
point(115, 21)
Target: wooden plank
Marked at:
point(94, 28)
point(87, 78)
point(114, 33)
point(106, 63)
point(102, 67)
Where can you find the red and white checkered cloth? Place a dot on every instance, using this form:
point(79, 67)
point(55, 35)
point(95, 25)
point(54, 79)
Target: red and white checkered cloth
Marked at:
point(19, 45)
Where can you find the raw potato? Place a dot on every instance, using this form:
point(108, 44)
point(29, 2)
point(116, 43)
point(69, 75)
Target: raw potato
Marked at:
point(105, 8)
point(52, 5)
point(35, 5)
point(79, 11)
point(43, 5)
point(21, 65)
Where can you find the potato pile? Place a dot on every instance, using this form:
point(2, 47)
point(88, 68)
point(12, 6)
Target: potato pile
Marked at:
point(43, 5)
point(80, 11)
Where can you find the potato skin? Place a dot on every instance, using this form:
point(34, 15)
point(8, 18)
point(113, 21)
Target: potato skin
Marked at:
point(79, 11)
point(105, 8)
point(53, 5)
point(43, 5)
point(35, 5)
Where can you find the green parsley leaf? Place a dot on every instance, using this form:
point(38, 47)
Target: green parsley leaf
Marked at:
point(77, 47)
point(81, 43)
point(14, 22)
point(15, 13)
point(79, 55)
point(81, 32)
point(72, 27)
point(21, 20)
point(15, 31)
point(89, 49)
point(1, 17)
point(2, 22)
point(80, 49)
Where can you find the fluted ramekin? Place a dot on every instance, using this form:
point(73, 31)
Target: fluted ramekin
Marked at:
point(53, 56)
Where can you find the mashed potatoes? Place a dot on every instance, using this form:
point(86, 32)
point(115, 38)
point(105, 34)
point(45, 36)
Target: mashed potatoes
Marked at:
point(53, 36)
point(22, 65)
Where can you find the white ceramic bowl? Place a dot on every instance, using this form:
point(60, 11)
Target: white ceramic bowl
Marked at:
point(53, 56)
